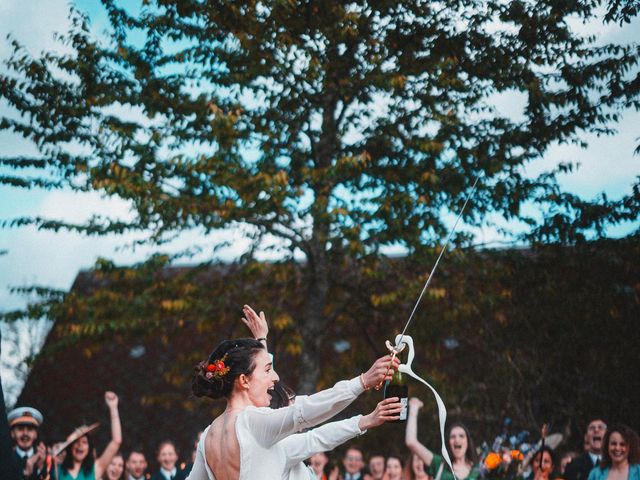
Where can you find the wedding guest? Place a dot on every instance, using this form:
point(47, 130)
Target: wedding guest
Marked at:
point(28, 454)
point(167, 457)
point(136, 465)
point(414, 468)
point(80, 462)
point(459, 446)
point(376, 466)
point(620, 455)
point(318, 462)
point(115, 469)
point(580, 467)
point(353, 463)
point(393, 470)
point(543, 465)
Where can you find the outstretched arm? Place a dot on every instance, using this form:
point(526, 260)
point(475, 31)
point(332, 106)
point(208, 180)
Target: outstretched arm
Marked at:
point(270, 426)
point(301, 446)
point(411, 433)
point(103, 461)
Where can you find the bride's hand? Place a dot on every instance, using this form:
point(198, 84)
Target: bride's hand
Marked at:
point(387, 410)
point(256, 323)
point(381, 371)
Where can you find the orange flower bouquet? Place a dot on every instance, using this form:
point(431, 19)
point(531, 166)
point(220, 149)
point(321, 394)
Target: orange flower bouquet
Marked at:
point(503, 460)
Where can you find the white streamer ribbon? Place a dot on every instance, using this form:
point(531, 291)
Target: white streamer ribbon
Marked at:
point(442, 410)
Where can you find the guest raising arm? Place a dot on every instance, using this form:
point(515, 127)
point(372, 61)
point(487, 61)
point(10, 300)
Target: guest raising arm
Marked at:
point(459, 446)
point(79, 463)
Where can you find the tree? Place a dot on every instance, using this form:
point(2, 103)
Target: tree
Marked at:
point(335, 129)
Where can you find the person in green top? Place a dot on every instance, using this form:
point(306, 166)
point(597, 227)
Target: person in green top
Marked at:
point(460, 448)
point(79, 462)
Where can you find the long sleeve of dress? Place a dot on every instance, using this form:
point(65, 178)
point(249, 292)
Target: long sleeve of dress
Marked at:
point(269, 426)
point(301, 446)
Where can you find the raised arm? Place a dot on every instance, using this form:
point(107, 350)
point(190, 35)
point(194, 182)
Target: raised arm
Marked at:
point(300, 446)
point(270, 426)
point(411, 433)
point(256, 323)
point(103, 461)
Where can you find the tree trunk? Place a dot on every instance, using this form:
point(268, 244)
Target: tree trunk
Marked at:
point(313, 322)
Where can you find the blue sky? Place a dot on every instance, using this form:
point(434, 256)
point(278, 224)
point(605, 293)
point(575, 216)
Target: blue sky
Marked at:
point(607, 165)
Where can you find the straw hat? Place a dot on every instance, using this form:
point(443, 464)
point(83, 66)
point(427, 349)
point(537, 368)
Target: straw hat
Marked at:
point(552, 441)
point(75, 435)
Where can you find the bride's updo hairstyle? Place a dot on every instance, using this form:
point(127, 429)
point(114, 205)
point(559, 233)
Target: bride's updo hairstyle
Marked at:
point(232, 358)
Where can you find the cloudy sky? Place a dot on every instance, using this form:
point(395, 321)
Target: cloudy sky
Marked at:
point(607, 165)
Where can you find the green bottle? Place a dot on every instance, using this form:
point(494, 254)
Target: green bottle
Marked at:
point(397, 387)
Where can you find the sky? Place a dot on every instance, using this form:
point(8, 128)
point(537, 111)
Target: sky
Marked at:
point(54, 259)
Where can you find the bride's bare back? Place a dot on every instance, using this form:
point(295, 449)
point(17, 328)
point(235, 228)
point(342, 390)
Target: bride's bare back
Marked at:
point(222, 449)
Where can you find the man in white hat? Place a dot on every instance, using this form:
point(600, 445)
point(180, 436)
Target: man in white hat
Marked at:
point(30, 458)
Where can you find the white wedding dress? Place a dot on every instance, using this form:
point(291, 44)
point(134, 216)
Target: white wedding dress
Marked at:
point(261, 432)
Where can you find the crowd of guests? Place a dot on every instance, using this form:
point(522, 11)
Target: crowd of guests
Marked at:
point(609, 453)
point(77, 459)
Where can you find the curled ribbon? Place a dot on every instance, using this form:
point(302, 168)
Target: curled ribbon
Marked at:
point(442, 410)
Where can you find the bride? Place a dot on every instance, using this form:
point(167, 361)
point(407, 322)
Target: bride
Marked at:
point(242, 443)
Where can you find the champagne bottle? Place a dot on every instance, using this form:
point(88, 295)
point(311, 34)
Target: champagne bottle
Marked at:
point(397, 387)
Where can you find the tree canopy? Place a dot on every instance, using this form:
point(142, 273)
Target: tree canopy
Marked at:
point(334, 129)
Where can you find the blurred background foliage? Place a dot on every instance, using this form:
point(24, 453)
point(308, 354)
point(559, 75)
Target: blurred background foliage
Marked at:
point(541, 335)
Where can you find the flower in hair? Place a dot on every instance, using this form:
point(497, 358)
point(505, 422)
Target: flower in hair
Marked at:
point(216, 369)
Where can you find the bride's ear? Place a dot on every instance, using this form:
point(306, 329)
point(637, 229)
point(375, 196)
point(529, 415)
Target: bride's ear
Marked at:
point(243, 381)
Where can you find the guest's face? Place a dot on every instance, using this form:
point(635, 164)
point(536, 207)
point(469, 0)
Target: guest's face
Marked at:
point(458, 442)
point(318, 462)
point(80, 449)
point(595, 434)
point(352, 461)
point(376, 466)
point(24, 436)
point(262, 380)
point(394, 468)
point(547, 464)
point(167, 456)
point(136, 464)
point(115, 468)
point(618, 448)
point(417, 465)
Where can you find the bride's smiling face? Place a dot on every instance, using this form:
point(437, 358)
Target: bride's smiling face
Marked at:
point(262, 380)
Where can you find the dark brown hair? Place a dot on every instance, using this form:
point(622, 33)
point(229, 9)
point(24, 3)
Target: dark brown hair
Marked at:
point(238, 357)
point(87, 463)
point(281, 395)
point(633, 444)
point(470, 454)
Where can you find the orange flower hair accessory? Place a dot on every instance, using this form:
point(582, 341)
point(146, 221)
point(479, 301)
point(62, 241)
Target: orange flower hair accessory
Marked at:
point(215, 369)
